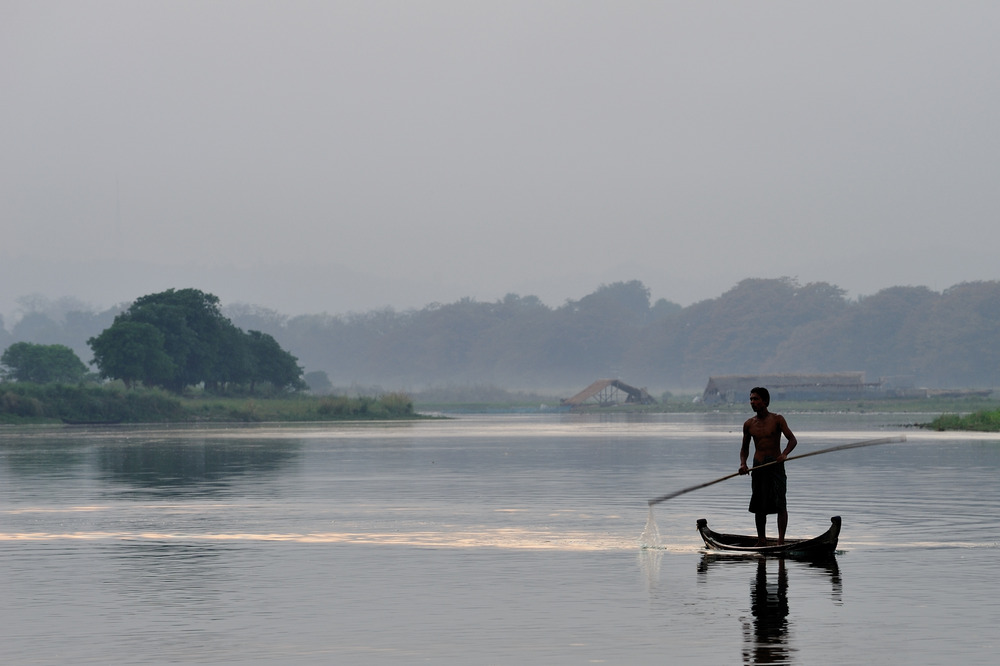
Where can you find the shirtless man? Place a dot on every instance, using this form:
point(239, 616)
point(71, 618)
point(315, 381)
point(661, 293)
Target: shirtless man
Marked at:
point(768, 484)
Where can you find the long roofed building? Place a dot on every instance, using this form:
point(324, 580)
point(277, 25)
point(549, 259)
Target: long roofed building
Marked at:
point(828, 386)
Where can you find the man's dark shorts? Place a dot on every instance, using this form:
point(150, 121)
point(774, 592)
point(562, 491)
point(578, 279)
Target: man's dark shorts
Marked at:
point(769, 486)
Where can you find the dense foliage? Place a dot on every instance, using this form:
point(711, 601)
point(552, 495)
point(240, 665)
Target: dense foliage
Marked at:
point(30, 362)
point(176, 339)
point(982, 421)
point(24, 402)
point(905, 334)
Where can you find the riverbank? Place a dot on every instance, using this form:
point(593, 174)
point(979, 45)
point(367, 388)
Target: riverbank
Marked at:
point(684, 404)
point(22, 403)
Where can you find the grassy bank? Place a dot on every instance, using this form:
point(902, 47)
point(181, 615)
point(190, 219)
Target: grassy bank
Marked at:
point(981, 421)
point(22, 403)
point(300, 408)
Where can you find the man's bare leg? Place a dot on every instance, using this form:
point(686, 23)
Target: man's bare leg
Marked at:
point(761, 520)
point(782, 524)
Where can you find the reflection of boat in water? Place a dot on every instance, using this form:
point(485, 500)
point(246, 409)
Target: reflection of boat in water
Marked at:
point(824, 566)
point(821, 546)
point(766, 628)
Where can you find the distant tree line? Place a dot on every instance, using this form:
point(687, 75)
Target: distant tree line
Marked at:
point(947, 339)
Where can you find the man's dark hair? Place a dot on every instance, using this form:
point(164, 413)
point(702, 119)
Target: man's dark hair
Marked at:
point(762, 392)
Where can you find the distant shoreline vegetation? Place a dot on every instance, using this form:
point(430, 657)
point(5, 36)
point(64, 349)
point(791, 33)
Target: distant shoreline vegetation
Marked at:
point(980, 421)
point(956, 413)
point(26, 403)
point(901, 336)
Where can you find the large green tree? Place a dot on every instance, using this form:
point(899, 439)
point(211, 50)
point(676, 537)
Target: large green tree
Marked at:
point(30, 362)
point(271, 364)
point(180, 338)
point(133, 352)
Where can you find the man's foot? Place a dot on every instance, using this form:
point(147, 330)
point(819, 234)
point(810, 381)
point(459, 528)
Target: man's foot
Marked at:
point(760, 543)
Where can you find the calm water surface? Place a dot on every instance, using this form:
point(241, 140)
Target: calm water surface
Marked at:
point(489, 540)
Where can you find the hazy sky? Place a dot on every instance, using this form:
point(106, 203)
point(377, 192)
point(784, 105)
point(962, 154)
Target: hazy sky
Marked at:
point(334, 156)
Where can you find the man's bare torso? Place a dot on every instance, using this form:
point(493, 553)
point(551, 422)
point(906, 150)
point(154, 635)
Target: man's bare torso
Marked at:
point(766, 434)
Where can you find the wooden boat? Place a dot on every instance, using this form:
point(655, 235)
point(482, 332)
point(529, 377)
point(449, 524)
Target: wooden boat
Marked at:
point(824, 544)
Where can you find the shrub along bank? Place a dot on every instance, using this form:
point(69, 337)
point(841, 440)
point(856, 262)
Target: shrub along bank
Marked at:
point(982, 421)
point(48, 403)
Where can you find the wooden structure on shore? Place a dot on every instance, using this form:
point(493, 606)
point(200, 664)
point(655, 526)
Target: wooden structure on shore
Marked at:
point(608, 392)
point(829, 386)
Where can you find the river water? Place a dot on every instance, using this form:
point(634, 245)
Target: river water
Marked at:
point(505, 539)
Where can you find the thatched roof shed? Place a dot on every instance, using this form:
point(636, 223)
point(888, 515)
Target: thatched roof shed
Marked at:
point(827, 386)
point(610, 392)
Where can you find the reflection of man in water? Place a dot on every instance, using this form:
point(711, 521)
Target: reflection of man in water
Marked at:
point(769, 483)
point(769, 606)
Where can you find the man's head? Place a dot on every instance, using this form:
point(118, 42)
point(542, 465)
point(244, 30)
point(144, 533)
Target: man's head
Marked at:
point(762, 393)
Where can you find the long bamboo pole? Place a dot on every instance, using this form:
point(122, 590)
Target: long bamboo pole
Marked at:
point(842, 447)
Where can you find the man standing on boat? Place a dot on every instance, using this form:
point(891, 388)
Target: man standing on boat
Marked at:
point(768, 484)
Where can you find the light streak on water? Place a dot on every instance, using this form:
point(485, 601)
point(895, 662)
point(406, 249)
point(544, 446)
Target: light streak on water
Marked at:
point(501, 538)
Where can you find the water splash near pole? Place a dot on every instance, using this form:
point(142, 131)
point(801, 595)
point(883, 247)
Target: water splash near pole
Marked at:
point(650, 537)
